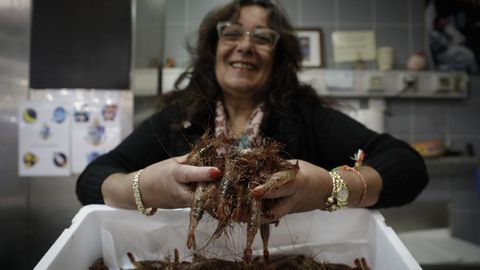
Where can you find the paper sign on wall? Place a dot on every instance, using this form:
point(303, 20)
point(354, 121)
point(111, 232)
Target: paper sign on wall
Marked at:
point(339, 79)
point(44, 136)
point(350, 46)
point(97, 130)
point(61, 131)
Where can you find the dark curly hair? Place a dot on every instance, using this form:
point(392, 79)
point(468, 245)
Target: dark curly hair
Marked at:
point(202, 91)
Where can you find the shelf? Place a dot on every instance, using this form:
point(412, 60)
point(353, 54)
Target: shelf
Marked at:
point(445, 166)
point(452, 161)
point(390, 94)
point(386, 84)
point(438, 247)
point(370, 83)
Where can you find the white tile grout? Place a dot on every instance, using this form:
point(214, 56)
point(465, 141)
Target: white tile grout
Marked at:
point(411, 121)
point(410, 26)
point(373, 13)
point(187, 16)
point(299, 12)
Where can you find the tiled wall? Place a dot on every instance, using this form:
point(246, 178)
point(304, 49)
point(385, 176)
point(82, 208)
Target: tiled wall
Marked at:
point(396, 23)
point(149, 25)
point(399, 24)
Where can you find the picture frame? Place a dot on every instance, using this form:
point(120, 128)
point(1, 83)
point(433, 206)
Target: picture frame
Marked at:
point(311, 43)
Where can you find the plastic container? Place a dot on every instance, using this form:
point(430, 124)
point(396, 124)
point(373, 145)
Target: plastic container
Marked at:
point(338, 237)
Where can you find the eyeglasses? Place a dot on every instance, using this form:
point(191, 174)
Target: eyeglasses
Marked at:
point(232, 33)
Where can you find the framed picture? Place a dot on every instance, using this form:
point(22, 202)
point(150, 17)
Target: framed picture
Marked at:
point(453, 34)
point(311, 43)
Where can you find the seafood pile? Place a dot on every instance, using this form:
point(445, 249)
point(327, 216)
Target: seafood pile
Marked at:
point(287, 262)
point(232, 199)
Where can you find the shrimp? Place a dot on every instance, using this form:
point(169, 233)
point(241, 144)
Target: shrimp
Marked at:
point(234, 198)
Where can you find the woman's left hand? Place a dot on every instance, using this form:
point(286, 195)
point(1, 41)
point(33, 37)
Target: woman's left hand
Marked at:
point(308, 191)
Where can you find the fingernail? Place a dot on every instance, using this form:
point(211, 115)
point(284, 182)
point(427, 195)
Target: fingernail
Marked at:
point(268, 215)
point(215, 173)
point(258, 192)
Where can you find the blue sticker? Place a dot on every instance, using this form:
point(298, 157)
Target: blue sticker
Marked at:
point(29, 116)
point(109, 112)
point(59, 159)
point(96, 133)
point(30, 159)
point(82, 115)
point(92, 156)
point(59, 115)
point(45, 132)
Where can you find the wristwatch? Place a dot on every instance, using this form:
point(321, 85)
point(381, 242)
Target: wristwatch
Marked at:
point(338, 199)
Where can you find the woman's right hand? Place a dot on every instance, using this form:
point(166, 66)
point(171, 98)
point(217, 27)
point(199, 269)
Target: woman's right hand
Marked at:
point(165, 184)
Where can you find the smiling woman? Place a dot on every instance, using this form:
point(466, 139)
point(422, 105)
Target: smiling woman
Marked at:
point(242, 85)
point(243, 64)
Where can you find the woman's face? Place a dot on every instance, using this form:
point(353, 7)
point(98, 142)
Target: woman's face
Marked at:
point(242, 68)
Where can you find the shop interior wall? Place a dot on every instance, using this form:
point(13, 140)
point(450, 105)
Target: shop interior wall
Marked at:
point(399, 24)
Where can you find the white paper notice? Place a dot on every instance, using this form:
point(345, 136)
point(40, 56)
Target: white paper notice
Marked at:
point(44, 139)
point(95, 129)
point(350, 46)
point(61, 131)
point(339, 79)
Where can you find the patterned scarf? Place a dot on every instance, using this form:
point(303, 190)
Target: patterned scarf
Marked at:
point(250, 135)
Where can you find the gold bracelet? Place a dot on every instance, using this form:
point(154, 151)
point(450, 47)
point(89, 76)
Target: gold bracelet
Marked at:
point(339, 197)
point(364, 183)
point(138, 196)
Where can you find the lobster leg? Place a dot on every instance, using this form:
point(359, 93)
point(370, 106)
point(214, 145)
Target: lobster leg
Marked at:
point(196, 212)
point(225, 193)
point(265, 233)
point(240, 203)
point(252, 227)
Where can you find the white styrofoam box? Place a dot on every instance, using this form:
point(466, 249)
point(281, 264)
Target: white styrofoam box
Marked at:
point(339, 237)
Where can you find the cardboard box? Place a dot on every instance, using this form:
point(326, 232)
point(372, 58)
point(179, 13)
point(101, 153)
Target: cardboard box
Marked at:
point(337, 237)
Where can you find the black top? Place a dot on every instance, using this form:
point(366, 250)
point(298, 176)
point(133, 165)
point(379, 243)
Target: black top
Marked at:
point(314, 133)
